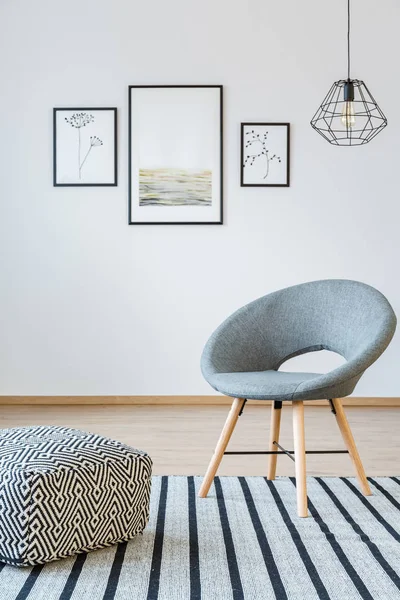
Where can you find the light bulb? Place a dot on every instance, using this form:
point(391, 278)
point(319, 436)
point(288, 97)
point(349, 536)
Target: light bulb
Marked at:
point(348, 117)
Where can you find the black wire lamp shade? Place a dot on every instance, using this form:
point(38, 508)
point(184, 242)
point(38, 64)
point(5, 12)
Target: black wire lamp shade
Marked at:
point(349, 114)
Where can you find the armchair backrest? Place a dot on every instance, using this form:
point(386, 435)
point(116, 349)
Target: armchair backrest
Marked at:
point(347, 317)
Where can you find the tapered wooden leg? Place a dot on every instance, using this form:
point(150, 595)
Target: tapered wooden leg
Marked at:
point(276, 412)
point(300, 458)
point(221, 446)
point(351, 446)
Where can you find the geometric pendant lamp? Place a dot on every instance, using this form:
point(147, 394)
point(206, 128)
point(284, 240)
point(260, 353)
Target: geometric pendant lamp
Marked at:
point(349, 114)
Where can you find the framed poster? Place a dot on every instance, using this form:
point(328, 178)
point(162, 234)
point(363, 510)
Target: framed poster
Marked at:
point(175, 155)
point(265, 155)
point(84, 146)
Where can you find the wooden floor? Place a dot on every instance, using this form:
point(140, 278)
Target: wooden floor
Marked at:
point(181, 439)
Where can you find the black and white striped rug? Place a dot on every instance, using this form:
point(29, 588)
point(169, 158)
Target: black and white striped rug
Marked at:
point(244, 541)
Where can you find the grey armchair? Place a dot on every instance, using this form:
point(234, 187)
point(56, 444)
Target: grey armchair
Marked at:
point(243, 356)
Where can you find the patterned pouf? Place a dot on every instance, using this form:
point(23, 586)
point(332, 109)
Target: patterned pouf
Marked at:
point(64, 491)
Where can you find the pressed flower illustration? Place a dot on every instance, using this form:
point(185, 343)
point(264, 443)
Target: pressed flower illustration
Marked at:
point(79, 120)
point(257, 144)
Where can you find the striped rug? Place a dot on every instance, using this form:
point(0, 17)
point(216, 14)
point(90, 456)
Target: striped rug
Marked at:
point(243, 542)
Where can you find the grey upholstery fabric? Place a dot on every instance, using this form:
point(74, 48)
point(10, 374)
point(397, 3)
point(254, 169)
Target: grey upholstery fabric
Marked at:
point(242, 357)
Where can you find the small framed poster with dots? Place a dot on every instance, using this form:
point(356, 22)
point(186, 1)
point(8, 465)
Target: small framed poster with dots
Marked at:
point(265, 155)
point(84, 146)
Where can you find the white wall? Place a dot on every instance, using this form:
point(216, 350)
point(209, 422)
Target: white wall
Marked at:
point(90, 305)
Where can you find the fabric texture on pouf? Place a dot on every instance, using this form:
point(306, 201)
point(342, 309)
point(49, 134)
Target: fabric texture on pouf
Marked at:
point(64, 491)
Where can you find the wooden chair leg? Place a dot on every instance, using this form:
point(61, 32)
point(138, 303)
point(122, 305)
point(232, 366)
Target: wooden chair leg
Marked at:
point(221, 446)
point(300, 457)
point(276, 412)
point(351, 446)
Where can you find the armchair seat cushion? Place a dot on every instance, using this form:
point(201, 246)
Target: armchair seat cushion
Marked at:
point(263, 385)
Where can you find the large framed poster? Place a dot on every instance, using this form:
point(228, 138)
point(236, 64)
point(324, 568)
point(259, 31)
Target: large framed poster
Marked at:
point(175, 154)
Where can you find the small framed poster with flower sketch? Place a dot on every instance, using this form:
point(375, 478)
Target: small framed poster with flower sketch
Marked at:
point(265, 155)
point(84, 146)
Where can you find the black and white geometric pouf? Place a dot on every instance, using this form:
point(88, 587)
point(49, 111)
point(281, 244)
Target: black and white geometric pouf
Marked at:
point(64, 491)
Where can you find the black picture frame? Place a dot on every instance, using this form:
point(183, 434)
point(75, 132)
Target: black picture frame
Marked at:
point(242, 156)
point(114, 110)
point(221, 111)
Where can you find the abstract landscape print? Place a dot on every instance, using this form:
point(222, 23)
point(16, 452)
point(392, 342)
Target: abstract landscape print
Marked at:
point(175, 187)
point(175, 155)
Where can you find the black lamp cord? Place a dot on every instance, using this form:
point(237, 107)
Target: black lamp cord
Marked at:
point(348, 39)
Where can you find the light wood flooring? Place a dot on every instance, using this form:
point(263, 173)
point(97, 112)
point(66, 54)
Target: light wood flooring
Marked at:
point(181, 439)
